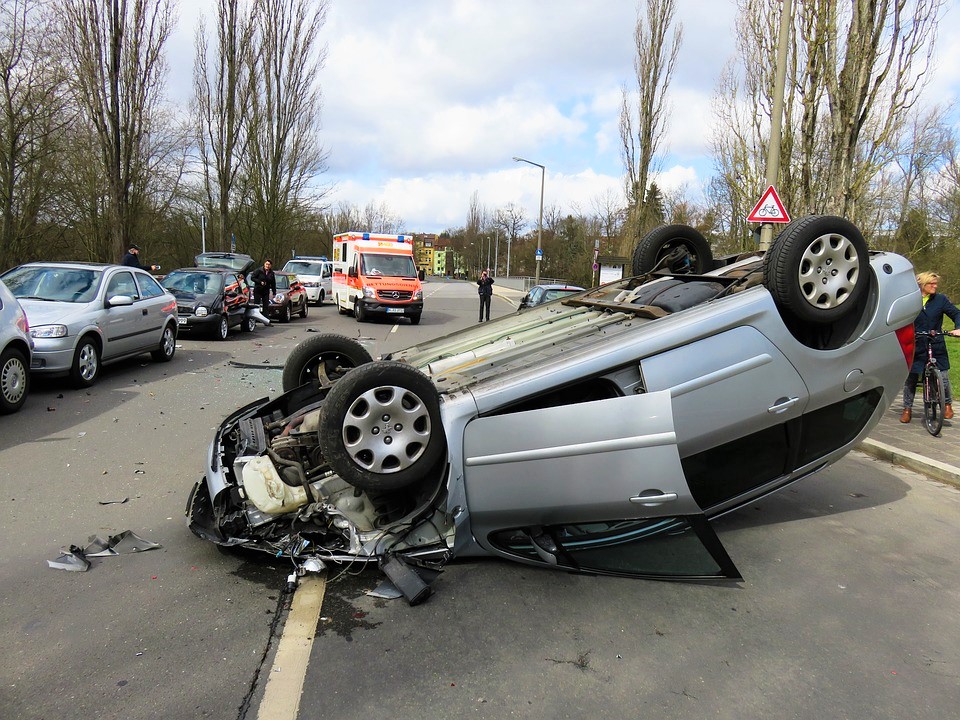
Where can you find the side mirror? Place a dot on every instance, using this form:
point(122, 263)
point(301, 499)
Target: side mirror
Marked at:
point(352, 272)
point(119, 300)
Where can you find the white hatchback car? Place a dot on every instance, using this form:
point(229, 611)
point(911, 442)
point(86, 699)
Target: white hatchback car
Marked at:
point(316, 274)
point(16, 347)
point(85, 315)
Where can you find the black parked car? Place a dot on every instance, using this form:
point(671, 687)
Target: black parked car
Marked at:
point(210, 300)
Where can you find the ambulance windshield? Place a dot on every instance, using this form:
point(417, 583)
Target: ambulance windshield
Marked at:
point(392, 265)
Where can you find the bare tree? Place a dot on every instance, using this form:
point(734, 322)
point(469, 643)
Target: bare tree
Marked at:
point(284, 153)
point(222, 90)
point(642, 129)
point(32, 118)
point(116, 48)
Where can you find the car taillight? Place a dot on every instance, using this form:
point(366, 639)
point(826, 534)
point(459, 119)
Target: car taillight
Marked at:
point(170, 307)
point(908, 341)
point(23, 323)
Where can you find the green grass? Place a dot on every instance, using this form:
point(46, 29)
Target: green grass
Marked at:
point(953, 352)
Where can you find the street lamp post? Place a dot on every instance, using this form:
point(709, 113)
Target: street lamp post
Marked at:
point(543, 172)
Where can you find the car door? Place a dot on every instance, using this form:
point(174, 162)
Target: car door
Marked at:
point(155, 306)
point(122, 326)
point(594, 487)
point(236, 295)
point(737, 402)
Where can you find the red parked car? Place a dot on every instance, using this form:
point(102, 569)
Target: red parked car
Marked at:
point(290, 298)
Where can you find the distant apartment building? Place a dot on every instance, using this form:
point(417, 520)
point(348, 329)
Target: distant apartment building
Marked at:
point(431, 253)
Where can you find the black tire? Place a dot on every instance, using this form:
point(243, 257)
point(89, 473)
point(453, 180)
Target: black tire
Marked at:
point(359, 312)
point(168, 345)
point(324, 358)
point(303, 310)
point(86, 363)
point(933, 400)
point(415, 319)
point(221, 329)
point(320, 298)
point(14, 380)
point(380, 427)
point(817, 269)
point(248, 324)
point(678, 249)
point(285, 313)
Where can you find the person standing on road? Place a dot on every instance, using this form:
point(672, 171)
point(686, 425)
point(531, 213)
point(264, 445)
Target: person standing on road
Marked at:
point(264, 285)
point(935, 306)
point(132, 258)
point(485, 289)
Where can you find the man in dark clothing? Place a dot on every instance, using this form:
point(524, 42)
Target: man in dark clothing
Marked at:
point(264, 285)
point(132, 258)
point(485, 289)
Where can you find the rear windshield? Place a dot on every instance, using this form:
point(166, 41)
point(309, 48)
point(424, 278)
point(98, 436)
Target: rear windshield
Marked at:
point(230, 262)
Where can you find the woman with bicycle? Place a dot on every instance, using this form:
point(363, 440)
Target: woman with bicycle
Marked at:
point(935, 306)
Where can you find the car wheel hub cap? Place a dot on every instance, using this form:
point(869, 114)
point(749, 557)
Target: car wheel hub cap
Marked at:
point(386, 429)
point(829, 269)
point(13, 381)
point(88, 363)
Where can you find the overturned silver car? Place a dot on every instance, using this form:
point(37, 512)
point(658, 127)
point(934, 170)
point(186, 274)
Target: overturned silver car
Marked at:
point(597, 433)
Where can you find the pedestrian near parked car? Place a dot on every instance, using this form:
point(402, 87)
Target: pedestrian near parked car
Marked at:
point(485, 289)
point(264, 285)
point(935, 306)
point(132, 258)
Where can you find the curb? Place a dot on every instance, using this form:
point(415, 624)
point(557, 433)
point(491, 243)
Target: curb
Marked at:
point(933, 469)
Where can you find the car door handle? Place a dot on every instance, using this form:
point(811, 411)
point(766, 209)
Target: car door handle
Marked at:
point(782, 404)
point(144, 311)
point(653, 499)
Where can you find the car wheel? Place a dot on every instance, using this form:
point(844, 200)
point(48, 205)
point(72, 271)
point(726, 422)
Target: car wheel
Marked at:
point(222, 329)
point(415, 319)
point(324, 358)
point(380, 427)
point(816, 269)
point(359, 312)
point(303, 310)
point(14, 380)
point(248, 324)
point(285, 314)
point(86, 363)
point(168, 345)
point(678, 249)
point(320, 299)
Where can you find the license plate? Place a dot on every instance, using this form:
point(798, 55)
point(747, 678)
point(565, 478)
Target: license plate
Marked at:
point(395, 310)
point(181, 321)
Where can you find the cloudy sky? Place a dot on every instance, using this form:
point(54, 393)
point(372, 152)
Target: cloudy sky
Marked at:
point(427, 101)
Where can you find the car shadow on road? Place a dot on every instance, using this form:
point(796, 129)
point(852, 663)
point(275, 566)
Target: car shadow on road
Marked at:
point(54, 406)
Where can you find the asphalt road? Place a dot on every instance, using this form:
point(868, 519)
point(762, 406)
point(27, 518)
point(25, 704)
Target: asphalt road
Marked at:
point(848, 607)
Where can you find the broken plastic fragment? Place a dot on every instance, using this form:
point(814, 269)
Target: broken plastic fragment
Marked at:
point(72, 559)
point(112, 502)
point(119, 544)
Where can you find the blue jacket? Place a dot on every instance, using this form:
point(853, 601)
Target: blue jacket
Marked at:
point(931, 318)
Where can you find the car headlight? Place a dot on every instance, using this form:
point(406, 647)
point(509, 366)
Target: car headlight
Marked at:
point(201, 311)
point(278, 298)
point(311, 284)
point(418, 295)
point(49, 331)
point(369, 292)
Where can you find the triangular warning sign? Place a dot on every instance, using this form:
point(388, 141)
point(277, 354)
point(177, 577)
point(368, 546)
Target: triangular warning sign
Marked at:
point(769, 209)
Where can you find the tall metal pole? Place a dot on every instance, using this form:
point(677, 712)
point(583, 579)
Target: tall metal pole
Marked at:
point(776, 118)
point(543, 172)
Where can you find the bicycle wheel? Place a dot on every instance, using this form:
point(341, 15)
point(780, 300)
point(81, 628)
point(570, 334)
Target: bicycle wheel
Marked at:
point(932, 400)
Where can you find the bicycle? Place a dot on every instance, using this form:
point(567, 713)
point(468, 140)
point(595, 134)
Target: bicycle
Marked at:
point(933, 392)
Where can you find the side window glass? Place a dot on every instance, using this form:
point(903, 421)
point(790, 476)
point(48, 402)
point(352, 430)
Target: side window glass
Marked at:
point(326, 271)
point(122, 283)
point(149, 287)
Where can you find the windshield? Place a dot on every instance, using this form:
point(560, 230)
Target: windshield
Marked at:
point(74, 285)
point(195, 283)
point(393, 265)
point(301, 267)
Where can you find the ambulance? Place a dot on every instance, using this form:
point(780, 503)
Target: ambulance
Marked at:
point(375, 274)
